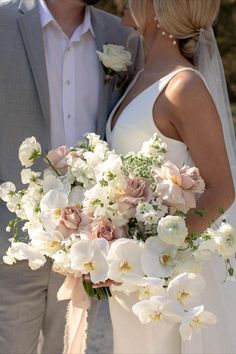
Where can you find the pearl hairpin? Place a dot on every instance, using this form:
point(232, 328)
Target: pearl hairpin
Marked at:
point(164, 33)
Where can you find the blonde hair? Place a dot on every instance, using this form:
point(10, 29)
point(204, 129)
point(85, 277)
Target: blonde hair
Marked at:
point(181, 18)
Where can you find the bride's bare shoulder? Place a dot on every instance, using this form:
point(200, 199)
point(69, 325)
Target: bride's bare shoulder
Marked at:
point(188, 94)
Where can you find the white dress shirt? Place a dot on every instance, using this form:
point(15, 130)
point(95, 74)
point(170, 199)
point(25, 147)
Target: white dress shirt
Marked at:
point(72, 67)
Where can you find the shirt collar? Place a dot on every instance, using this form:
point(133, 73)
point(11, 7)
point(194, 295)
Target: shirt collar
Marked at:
point(46, 17)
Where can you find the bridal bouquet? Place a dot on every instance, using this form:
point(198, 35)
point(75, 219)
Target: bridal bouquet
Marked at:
point(101, 215)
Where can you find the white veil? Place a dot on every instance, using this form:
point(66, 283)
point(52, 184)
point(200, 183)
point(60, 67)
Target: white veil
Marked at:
point(218, 298)
point(208, 61)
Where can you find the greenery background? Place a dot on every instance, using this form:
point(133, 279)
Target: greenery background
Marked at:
point(226, 36)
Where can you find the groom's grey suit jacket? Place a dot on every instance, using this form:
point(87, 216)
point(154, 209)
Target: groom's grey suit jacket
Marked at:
point(24, 93)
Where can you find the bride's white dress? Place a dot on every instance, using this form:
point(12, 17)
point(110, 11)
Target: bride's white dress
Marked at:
point(134, 126)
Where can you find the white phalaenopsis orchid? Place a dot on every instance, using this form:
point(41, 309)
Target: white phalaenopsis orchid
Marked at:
point(186, 288)
point(196, 319)
point(124, 258)
point(89, 257)
point(159, 310)
point(172, 230)
point(145, 287)
point(158, 258)
point(29, 151)
point(21, 251)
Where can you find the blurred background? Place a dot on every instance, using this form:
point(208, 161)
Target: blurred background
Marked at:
point(225, 30)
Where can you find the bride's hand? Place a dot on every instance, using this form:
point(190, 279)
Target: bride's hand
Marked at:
point(104, 284)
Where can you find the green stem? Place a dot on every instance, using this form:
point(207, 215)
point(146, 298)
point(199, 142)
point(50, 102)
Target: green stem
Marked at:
point(51, 165)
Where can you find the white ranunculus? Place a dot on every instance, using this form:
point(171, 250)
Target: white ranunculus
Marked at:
point(124, 258)
point(195, 319)
point(150, 213)
point(89, 257)
point(7, 190)
point(115, 57)
point(30, 177)
point(29, 151)
point(159, 310)
point(145, 287)
point(186, 288)
point(225, 238)
point(157, 258)
point(172, 230)
point(22, 251)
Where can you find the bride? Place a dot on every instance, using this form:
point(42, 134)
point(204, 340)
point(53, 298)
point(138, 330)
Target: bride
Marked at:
point(181, 95)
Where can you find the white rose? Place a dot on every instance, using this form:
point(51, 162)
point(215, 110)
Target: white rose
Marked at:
point(115, 57)
point(29, 151)
point(172, 230)
point(225, 239)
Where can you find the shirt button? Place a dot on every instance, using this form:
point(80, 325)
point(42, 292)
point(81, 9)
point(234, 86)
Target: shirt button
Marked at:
point(68, 82)
point(68, 116)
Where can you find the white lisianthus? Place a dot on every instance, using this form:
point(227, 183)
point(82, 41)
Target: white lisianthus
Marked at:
point(7, 190)
point(206, 245)
point(154, 147)
point(150, 213)
point(22, 251)
point(195, 319)
point(172, 230)
point(159, 310)
point(30, 177)
point(124, 258)
point(225, 238)
point(115, 57)
point(157, 258)
point(186, 288)
point(29, 151)
point(89, 257)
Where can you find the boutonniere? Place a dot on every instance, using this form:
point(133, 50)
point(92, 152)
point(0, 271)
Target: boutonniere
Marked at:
point(115, 59)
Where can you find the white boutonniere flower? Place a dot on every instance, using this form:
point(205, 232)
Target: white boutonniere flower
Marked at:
point(115, 59)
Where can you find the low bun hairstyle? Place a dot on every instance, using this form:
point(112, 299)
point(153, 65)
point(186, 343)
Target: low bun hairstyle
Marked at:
point(182, 18)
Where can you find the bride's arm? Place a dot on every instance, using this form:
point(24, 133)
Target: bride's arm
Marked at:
point(192, 112)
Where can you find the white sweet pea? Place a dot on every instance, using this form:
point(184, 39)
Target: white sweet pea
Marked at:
point(225, 238)
point(150, 213)
point(115, 57)
point(89, 257)
point(157, 258)
point(186, 288)
point(21, 251)
point(159, 310)
point(154, 147)
point(172, 230)
point(30, 177)
point(7, 190)
point(29, 151)
point(195, 319)
point(124, 258)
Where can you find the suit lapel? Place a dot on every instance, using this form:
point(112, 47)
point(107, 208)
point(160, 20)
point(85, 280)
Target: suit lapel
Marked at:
point(31, 31)
point(101, 38)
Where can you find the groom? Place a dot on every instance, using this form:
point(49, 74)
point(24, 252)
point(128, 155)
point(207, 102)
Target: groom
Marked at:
point(52, 86)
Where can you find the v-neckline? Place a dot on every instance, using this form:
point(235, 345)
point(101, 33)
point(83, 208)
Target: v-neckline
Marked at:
point(132, 101)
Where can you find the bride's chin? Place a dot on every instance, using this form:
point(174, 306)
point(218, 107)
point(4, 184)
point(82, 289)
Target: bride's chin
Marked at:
point(127, 19)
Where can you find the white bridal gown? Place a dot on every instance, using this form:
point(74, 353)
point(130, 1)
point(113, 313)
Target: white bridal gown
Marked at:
point(134, 126)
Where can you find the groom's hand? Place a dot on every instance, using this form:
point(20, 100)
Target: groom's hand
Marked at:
point(104, 284)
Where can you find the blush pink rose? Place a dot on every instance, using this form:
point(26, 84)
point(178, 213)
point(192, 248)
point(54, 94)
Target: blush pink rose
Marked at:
point(102, 228)
point(69, 223)
point(177, 187)
point(136, 191)
point(57, 157)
